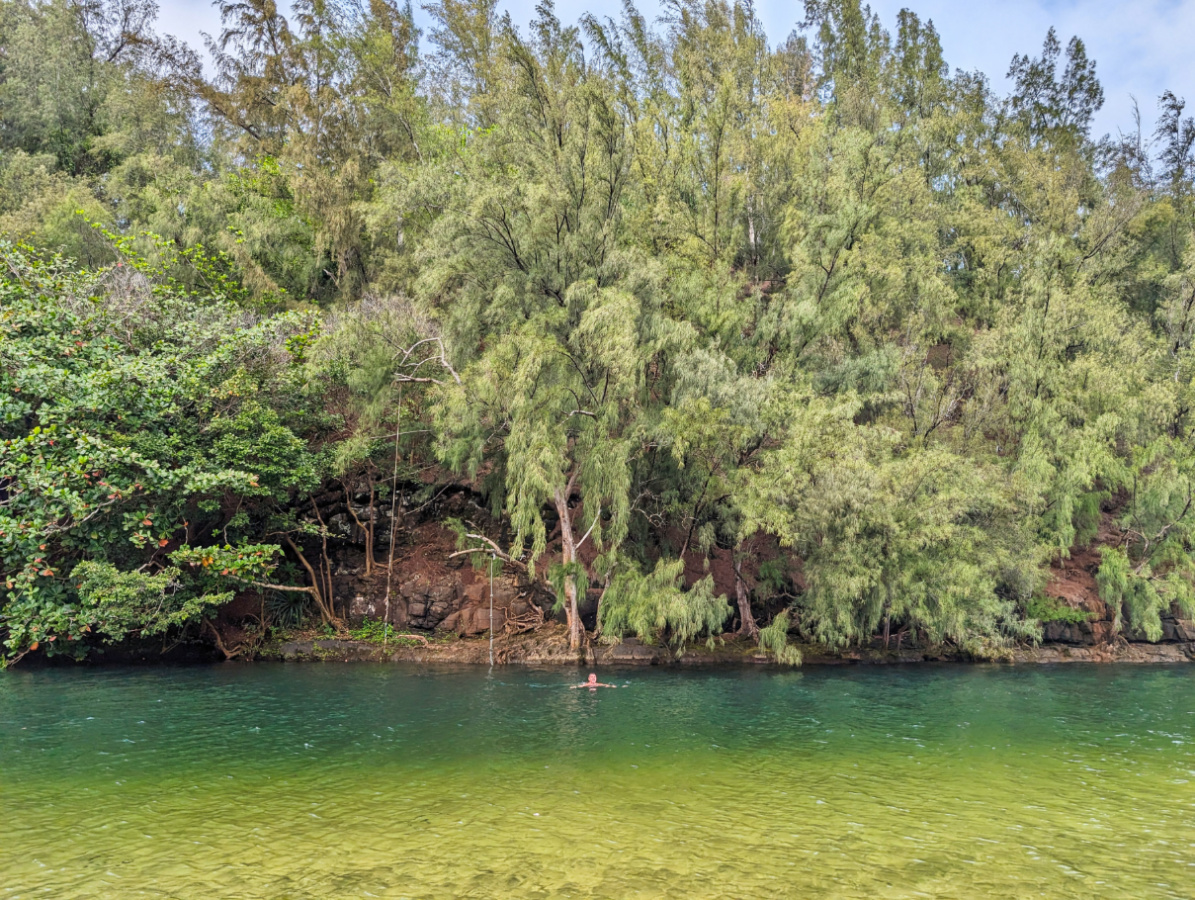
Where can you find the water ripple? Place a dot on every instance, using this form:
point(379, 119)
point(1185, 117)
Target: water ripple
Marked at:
point(362, 781)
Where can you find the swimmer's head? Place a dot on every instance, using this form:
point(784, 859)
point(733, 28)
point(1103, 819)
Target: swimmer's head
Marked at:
point(592, 678)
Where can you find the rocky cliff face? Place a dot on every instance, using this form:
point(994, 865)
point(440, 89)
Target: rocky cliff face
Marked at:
point(433, 588)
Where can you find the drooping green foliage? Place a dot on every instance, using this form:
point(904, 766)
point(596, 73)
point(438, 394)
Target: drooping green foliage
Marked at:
point(774, 640)
point(653, 606)
point(664, 293)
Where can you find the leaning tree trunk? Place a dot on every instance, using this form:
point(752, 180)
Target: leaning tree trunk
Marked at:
point(367, 528)
point(747, 625)
point(568, 542)
point(327, 610)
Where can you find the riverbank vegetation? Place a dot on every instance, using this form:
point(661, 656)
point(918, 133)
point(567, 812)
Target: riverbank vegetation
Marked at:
point(659, 293)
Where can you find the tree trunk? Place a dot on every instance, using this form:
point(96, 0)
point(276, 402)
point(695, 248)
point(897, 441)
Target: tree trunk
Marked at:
point(326, 561)
point(568, 543)
point(888, 617)
point(369, 531)
point(747, 625)
point(326, 613)
point(366, 530)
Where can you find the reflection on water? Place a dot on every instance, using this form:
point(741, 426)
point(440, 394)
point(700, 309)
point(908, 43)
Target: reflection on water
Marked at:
point(359, 781)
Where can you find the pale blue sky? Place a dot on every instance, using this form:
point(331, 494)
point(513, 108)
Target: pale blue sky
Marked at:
point(1141, 48)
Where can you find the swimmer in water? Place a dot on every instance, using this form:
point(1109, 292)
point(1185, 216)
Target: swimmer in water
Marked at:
point(593, 684)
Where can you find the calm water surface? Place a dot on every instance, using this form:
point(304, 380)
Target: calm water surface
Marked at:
point(359, 781)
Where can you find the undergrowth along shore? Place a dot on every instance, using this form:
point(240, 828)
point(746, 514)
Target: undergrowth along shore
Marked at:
point(552, 650)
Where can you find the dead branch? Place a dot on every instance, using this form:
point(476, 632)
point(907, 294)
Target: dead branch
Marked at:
point(494, 548)
point(529, 621)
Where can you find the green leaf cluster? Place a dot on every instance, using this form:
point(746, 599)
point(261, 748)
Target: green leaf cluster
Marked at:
point(147, 438)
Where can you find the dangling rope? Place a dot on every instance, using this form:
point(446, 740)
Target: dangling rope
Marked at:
point(393, 500)
point(493, 559)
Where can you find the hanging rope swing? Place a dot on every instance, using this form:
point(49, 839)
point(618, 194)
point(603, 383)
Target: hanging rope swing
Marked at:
point(493, 559)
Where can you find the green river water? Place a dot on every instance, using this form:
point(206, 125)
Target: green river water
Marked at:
point(331, 781)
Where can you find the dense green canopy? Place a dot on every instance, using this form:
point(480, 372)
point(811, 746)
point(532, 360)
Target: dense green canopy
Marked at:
point(665, 293)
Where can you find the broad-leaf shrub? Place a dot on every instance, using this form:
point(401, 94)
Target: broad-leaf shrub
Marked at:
point(147, 436)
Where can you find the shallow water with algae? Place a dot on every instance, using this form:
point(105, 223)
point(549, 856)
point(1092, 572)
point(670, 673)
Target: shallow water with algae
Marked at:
point(361, 781)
